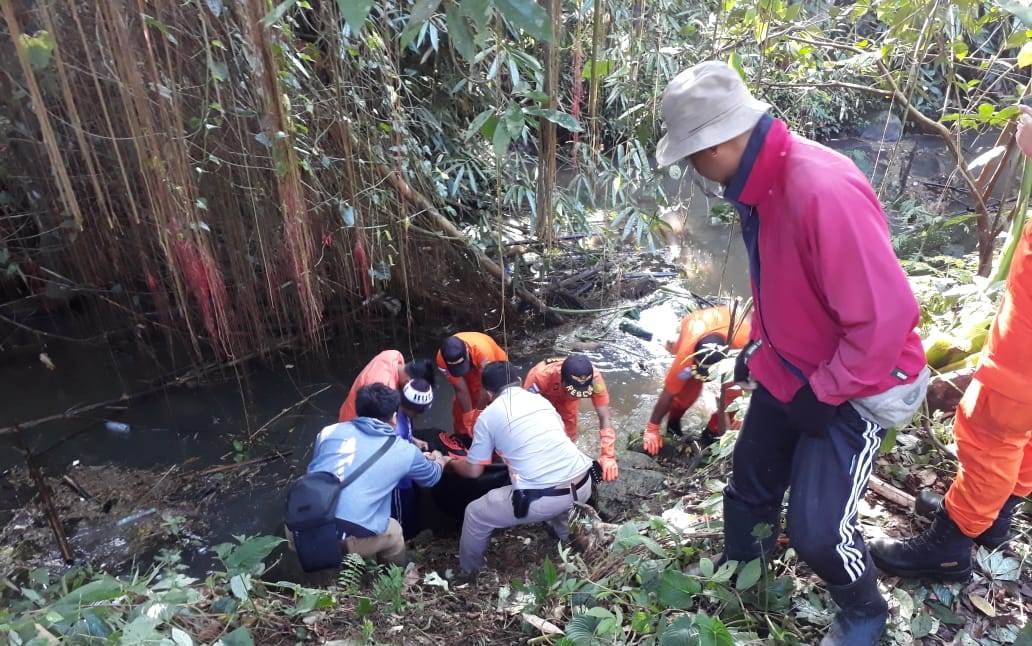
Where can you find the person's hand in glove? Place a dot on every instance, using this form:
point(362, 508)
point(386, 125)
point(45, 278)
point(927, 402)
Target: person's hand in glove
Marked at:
point(652, 441)
point(469, 419)
point(742, 374)
point(809, 414)
point(607, 454)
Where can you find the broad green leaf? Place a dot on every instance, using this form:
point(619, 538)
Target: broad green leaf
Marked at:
point(355, 12)
point(1019, 9)
point(514, 121)
point(680, 632)
point(749, 575)
point(596, 69)
point(677, 589)
point(239, 587)
point(479, 11)
point(922, 626)
point(477, 125)
point(905, 601)
point(142, 630)
point(945, 615)
point(735, 61)
point(581, 629)
point(239, 637)
point(422, 12)
point(1025, 55)
point(706, 567)
point(103, 589)
point(39, 48)
point(559, 118)
point(725, 572)
point(712, 631)
point(278, 12)
point(247, 557)
point(181, 638)
point(459, 33)
point(527, 15)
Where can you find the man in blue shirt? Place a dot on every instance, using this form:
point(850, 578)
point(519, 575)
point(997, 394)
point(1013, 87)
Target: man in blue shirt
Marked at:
point(363, 512)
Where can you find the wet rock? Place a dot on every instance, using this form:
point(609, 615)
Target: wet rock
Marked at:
point(883, 126)
point(639, 480)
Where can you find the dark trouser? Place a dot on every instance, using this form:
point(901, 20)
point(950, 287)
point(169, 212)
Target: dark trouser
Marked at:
point(827, 475)
point(405, 509)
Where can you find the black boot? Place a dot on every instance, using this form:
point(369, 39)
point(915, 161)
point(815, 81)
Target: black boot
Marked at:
point(739, 520)
point(673, 426)
point(940, 552)
point(860, 620)
point(999, 532)
point(706, 438)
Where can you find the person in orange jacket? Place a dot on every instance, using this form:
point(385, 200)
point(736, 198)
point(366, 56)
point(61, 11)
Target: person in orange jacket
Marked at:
point(462, 358)
point(993, 429)
point(390, 369)
point(702, 343)
point(564, 383)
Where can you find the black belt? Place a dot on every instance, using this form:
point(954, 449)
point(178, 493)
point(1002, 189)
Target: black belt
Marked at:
point(564, 490)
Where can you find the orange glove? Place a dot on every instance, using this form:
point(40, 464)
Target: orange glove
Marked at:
point(469, 418)
point(652, 440)
point(607, 454)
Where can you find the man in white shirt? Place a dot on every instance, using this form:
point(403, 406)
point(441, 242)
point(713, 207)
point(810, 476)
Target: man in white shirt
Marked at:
point(549, 473)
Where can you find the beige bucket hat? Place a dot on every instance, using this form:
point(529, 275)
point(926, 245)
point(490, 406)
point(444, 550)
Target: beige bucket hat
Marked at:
point(704, 106)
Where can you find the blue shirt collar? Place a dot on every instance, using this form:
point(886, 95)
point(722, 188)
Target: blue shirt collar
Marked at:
point(752, 150)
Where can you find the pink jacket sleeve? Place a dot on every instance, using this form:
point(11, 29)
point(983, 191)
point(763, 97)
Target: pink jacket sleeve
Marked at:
point(863, 286)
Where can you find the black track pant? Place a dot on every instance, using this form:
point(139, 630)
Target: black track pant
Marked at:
point(827, 474)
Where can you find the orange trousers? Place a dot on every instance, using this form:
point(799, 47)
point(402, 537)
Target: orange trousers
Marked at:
point(994, 445)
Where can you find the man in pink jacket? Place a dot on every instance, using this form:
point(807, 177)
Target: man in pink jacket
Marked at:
point(834, 321)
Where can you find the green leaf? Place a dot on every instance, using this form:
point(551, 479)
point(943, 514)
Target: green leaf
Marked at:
point(239, 637)
point(278, 12)
point(680, 632)
point(39, 48)
point(986, 111)
point(527, 15)
point(749, 575)
point(1025, 55)
point(706, 567)
point(514, 121)
point(677, 589)
point(559, 118)
point(501, 141)
point(239, 587)
point(1019, 9)
point(945, 615)
point(922, 626)
point(422, 12)
point(181, 638)
point(103, 589)
point(712, 631)
point(735, 61)
point(597, 68)
point(355, 12)
point(459, 33)
point(581, 629)
point(246, 557)
point(142, 630)
point(725, 572)
point(478, 123)
point(479, 11)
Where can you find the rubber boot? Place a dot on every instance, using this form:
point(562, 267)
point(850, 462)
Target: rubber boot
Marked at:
point(999, 532)
point(739, 521)
point(940, 552)
point(862, 613)
point(673, 426)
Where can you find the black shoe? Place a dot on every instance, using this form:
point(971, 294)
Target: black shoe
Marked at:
point(673, 426)
point(707, 437)
point(739, 521)
point(999, 532)
point(862, 613)
point(940, 552)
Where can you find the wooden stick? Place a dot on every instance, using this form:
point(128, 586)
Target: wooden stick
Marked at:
point(287, 410)
point(48, 503)
point(236, 465)
point(546, 627)
point(894, 495)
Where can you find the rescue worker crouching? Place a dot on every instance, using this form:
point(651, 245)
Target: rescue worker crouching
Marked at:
point(363, 510)
point(390, 369)
point(564, 383)
point(462, 358)
point(549, 473)
point(702, 343)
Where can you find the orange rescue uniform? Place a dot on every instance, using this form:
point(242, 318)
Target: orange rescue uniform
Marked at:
point(680, 380)
point(482, 351)
point(545, 379)
point(993, 426)
point(383, 369)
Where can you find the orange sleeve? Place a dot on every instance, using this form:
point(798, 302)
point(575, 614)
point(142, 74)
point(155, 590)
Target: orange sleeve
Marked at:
point(680, 370)
point(533, 382)
point(600, 396)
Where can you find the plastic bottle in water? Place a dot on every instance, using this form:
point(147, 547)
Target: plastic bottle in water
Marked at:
point(116, 427)
point(636, 330)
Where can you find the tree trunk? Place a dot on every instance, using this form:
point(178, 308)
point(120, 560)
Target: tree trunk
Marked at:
point(547, 151)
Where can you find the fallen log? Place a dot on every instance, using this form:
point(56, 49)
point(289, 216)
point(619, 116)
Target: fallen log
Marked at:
point(890, 493)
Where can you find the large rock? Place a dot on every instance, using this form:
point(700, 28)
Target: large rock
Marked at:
point(639, 480)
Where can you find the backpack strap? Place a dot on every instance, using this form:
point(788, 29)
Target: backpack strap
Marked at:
point(368, 463)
